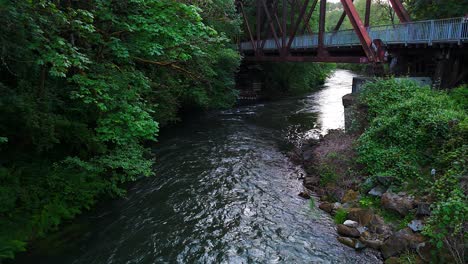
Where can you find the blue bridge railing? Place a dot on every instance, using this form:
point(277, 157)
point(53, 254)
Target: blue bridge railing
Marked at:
point(452, 30)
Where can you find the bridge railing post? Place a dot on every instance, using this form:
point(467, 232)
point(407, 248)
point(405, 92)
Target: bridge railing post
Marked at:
point(431, 35)
point(407, 33)
point(460, 31)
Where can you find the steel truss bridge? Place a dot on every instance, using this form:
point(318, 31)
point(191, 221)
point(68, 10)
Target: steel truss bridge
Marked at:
point(283, 33)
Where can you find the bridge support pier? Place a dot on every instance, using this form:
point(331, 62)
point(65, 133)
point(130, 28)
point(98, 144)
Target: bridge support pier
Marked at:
point(443, 65)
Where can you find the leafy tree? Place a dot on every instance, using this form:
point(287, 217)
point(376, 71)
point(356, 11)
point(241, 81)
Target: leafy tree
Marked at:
point(84, 84)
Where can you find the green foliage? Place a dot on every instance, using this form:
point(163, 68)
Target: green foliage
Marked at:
point(312, 203)
point(369, 201)
point(413, 129)
point(408, 125)
point(340, 216)
point(294, 78)
point(328, 174)
point(83, 86)
point(433, 9)
point(408, 258)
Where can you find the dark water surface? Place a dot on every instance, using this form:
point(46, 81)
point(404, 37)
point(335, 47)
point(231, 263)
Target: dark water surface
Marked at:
point(224, 193)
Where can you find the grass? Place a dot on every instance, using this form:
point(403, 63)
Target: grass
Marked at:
point(340, 216)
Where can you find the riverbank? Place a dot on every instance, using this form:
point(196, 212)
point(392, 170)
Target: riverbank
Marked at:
point(376, 181)
point(225, 192)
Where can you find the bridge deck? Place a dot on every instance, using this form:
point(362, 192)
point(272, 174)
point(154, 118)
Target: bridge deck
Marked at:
point(453, 30)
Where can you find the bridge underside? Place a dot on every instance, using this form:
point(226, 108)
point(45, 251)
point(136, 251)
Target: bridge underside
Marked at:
point(284, 32)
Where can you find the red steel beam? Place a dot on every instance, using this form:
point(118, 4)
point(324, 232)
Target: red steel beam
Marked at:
point(308, 59)
point(283, 50)
point(275, 8)
point(272, 26)
point(305, 19)
point(340, 21)
point(309, 16)
point(246, 22)
point(259, 21)
point(400, 11)
point(321, 36)
point(298, 22)
point(360, 30)
point(368, 10)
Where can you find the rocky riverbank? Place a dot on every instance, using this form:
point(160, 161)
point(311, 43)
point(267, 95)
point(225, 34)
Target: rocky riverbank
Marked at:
point(368, 214)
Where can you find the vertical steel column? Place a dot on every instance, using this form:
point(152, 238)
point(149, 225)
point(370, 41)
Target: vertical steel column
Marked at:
point(368, 10)
point(283, 50)
point(259, 25)
point(321, 36)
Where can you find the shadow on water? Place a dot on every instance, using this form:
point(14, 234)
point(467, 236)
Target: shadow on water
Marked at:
point(224, 193)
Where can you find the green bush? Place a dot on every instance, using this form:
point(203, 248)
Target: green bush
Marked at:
point(408, 127)
point(412, 130)
point(340, 216)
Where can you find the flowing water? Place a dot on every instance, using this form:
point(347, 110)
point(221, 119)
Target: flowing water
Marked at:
point(225, 192)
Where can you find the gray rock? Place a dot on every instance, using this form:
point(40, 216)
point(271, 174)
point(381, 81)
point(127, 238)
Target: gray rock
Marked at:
point(367, 185)
point(377, 191)
point(375, 244)
point(359, 245)
point(337, 206)
point(351, 223)
point(424, 209)
point(399, 203)
point(416, 225)
point(401, 241)
point(361, 229)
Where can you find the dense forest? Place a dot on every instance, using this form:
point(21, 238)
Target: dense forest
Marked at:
point(85, 86)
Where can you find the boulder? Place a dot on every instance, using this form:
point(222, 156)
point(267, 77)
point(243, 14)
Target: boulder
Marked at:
point(347, 241)
point(350, 196)
point(348, 231)
point(416, 225)
point(352, 242)
point(423, 209)
point(378, 226)
point(326, 206)
point(310, 182)
point(375, 244)
point(360, 215)
point(401, 241)
point(351, 223)
point(377, 191)
point(304, 195)
point(337, 206)
point(362, 230)
point(335, 193)
point(400, 203)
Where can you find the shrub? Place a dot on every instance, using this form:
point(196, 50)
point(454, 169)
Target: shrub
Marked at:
point(340, 216)
point(413, 129)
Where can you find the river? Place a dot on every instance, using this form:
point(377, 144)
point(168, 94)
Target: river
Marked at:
point(225, 192)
